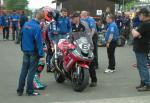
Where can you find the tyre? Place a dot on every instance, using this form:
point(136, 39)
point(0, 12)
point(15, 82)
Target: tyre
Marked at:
point(148, 57)
point(80, 82)
point(59, 77)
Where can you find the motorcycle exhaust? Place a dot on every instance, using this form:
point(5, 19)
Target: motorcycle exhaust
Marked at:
point(56, 62)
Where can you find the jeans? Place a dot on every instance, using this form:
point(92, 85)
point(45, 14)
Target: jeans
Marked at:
point(142, 67)
point(111, 55)
point(15, 29)
point(5, 32)
point(29, 67)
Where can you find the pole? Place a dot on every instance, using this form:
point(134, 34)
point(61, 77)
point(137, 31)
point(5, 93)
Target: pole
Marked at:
point(123, 5)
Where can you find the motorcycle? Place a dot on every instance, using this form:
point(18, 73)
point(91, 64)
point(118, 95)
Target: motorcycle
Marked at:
point(72, 58)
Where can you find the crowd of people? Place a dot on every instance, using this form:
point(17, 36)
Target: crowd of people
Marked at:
point(12, 21)
point(51, 25)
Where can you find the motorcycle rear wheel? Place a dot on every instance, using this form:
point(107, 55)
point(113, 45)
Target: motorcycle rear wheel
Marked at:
point(80, 83)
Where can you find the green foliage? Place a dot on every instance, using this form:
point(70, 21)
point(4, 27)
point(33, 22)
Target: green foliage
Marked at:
point(130, 4)
point(16, 4)
point(121, 1)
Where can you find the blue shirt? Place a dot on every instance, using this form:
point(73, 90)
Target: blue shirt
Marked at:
point(32, 38)
point(136, 22)
point(15, 19)
point(23, 19)
point(5, 21)
point(91, 22)
point(0, 20)
point(112, 29)
point(63, 25)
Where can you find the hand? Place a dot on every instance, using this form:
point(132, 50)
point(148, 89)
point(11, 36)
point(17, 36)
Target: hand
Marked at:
point(107, 45)
point(42, 60)
point(55, 33)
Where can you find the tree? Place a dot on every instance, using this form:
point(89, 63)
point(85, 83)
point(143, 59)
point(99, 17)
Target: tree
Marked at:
point(16, 4)
point(121, 1)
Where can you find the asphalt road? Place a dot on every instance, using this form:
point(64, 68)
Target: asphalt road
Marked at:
point(112, 88)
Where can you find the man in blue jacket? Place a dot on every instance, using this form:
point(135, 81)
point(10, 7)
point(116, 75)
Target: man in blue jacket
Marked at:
point(32, 47)
point(63, 24)
point(5, 25)
point(111, 37)
point(15, 25)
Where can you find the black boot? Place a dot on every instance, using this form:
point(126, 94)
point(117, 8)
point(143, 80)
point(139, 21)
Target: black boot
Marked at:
point(142, 84)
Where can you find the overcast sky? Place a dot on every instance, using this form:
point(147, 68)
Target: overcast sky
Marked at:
point(34, 4)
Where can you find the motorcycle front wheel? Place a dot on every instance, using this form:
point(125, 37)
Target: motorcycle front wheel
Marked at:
point(148, 57)
point(59, 77)
point(81, 81)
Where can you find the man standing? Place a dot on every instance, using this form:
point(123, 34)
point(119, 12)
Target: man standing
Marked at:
point(23, 19)
point(141, 48)
point(32, 48)
point(77, 26)
point(111, 38)
point(5, 25)
point(15, 25)
point(94, 65)
point(63, 24)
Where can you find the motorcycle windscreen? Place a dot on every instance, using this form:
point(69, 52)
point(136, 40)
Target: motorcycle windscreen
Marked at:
point(82, 37)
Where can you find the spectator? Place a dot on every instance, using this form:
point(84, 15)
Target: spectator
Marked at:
point(32, 47)
point(23, 19)
point(104, 15)
point(111, 37)
point(94, 65)
point(15, 25)
point(136, 21)
point(5, 25)
point(119, 21)
point(126, 27)
point(0, 21)
point(141, 48)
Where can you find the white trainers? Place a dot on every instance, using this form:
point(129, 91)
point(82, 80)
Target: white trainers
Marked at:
point(109, 71)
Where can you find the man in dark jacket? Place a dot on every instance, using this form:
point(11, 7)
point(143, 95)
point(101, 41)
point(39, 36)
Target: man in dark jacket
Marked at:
point(141, 48)
point(94, 65)
point(32, 47)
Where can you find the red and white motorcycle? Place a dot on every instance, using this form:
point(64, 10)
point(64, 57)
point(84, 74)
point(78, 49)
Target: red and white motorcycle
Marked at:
point(72, 58)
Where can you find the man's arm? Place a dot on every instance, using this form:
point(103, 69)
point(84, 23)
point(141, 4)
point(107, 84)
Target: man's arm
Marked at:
point(135, 34)
point(110, 38)
point(38, 38)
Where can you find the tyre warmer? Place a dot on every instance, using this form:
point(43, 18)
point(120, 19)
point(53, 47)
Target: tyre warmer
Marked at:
point(38, 85)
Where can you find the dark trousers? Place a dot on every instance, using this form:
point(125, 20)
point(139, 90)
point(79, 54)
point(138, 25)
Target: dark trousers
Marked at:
point(111, 55)
point(49, 56)
point(30, 63)
point(94, 64)
point(95, 51)
point(15, 30)
point(5, 32)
